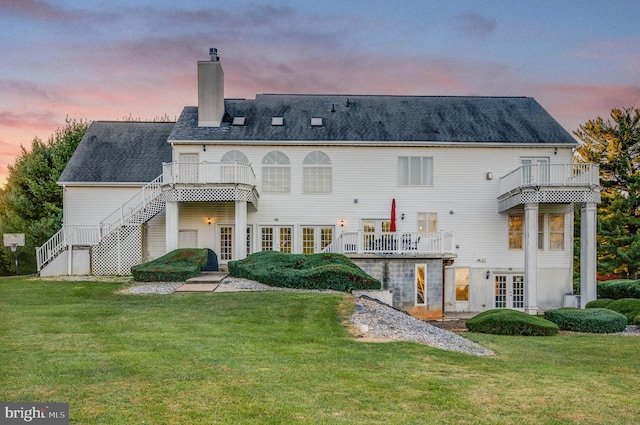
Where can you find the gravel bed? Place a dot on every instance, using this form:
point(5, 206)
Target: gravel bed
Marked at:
point(378, 320)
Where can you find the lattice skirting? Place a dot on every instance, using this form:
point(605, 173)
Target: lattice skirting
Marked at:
point(549, 197)
point(212, 195)
point(117, 252)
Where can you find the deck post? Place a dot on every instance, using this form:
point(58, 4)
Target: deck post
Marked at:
point(531, 258)
point(588, 262)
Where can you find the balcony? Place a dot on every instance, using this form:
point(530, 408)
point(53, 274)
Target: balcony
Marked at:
point(209, 182)
point(400, 243)
point(549, 183)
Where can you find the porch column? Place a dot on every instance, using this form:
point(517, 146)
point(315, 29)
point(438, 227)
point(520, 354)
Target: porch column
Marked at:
point(171, 226)
point(531, 258)
point(240, 235)
point(588, 261)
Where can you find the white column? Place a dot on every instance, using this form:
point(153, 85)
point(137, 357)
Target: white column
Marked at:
point(588, 259)
point(171, 226)
point(240, 235)
point(531, 258)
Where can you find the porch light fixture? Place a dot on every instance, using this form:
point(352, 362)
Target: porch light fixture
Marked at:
point(402, 216)
point(204, 148)
point(487, 274)
point(341, 223)
point(555, 152)
point(209, 221)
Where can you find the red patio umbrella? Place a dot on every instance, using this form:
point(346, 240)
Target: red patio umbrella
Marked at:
point(393, 215)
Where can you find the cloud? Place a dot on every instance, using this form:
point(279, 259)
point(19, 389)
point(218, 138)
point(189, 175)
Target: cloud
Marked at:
point(477, 25)
point(39, 120)
point(36, 9)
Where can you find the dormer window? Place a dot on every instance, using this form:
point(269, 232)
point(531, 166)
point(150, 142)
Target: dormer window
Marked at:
point(239, 121)
point(277, 121)
point(316, 122)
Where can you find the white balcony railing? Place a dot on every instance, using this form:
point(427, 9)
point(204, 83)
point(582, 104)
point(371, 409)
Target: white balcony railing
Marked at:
point(208, 173)
point(581, 175)
point(68, 235)
point(392, 243)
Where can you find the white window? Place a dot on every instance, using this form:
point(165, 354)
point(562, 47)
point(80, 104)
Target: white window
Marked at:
point(276, 172)
point(276, 238)
point(427, 222)
point(535, 170)
point(550, 228)
point(462, 284)
point(415, 171)
point(316, 238)
point(556, 231)
point(226, 242)
point(421, 284)
point(235, 156)
point(316, 171)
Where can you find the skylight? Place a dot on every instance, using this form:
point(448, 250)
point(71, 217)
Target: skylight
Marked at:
point(238, 120)
point(316, 122)
point(277, 121)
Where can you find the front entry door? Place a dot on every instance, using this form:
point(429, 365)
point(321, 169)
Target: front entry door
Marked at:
point(509, 291)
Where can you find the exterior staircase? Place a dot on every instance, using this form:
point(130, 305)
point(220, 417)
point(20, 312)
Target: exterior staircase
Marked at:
point(121, 227)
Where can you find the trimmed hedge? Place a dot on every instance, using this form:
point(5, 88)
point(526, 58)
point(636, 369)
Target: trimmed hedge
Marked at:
point(629, 307)
point(176, 266)
point(592, 320)
point(618, 289)
point(511, 322)
point(599, 303)
point(304, 271)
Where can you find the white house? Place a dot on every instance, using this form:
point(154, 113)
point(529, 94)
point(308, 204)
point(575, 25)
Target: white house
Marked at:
point(484, 190)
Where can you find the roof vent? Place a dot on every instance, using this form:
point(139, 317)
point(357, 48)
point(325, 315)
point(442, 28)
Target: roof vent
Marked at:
point(239, 121)
point(213, 52)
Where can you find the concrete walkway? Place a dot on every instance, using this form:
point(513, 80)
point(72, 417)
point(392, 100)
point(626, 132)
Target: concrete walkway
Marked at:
point(205, 282)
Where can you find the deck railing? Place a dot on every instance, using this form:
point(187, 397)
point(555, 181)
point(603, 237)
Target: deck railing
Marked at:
point(65, 237)
point(550, 175)
point(131, 207)
point(392, 243)
point(208, 173)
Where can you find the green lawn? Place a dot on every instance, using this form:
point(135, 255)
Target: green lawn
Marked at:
point(285, 357)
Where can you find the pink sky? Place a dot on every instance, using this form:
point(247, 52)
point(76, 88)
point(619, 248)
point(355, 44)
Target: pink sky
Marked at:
point(107, 62)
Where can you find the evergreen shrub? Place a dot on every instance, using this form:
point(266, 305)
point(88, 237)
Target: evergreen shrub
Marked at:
point(618, 289)
point(599, 303)
point(304, 271)
point(629, 307)
point(592, 320)
point(176, 266)
point(511, 322)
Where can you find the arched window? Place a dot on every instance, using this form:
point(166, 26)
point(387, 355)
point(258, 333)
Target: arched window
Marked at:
point(316, 171)
point(235, 156)
point(276, 172)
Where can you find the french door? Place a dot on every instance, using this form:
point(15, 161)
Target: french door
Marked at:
point(535, 170)
point(509, 291)
point(316, 238)
point(188, 167)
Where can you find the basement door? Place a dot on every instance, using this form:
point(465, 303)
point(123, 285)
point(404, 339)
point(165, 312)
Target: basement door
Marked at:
point(509, 291)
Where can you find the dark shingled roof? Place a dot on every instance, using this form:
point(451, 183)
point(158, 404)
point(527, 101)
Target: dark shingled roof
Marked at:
point(446, 119)
point(120, 152)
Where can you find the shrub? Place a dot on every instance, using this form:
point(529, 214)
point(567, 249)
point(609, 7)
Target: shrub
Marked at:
point(629, 307)
point(593, 320)
point(618, 289)
point(599, 303)
point(176, 266)
point(304, 271)
point(511, 322)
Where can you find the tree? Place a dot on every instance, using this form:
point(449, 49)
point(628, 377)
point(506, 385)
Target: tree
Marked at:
point(614, 144)
point(31, 201)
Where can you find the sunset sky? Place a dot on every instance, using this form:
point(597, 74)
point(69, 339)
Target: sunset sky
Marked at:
point(112, 59)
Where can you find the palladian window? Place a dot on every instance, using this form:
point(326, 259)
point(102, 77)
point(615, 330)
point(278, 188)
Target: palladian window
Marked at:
point(276, 172)
point(316, 173)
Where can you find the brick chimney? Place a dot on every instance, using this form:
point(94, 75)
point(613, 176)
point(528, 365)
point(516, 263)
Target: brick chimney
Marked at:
point(210, 91)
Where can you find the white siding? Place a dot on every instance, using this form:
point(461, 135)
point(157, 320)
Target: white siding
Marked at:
point(91, 205)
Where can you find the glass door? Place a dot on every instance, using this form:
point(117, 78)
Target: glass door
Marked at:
point(509, 291)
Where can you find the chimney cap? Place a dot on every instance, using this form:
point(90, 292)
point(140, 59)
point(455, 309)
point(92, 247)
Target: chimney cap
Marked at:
point(213, 52)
